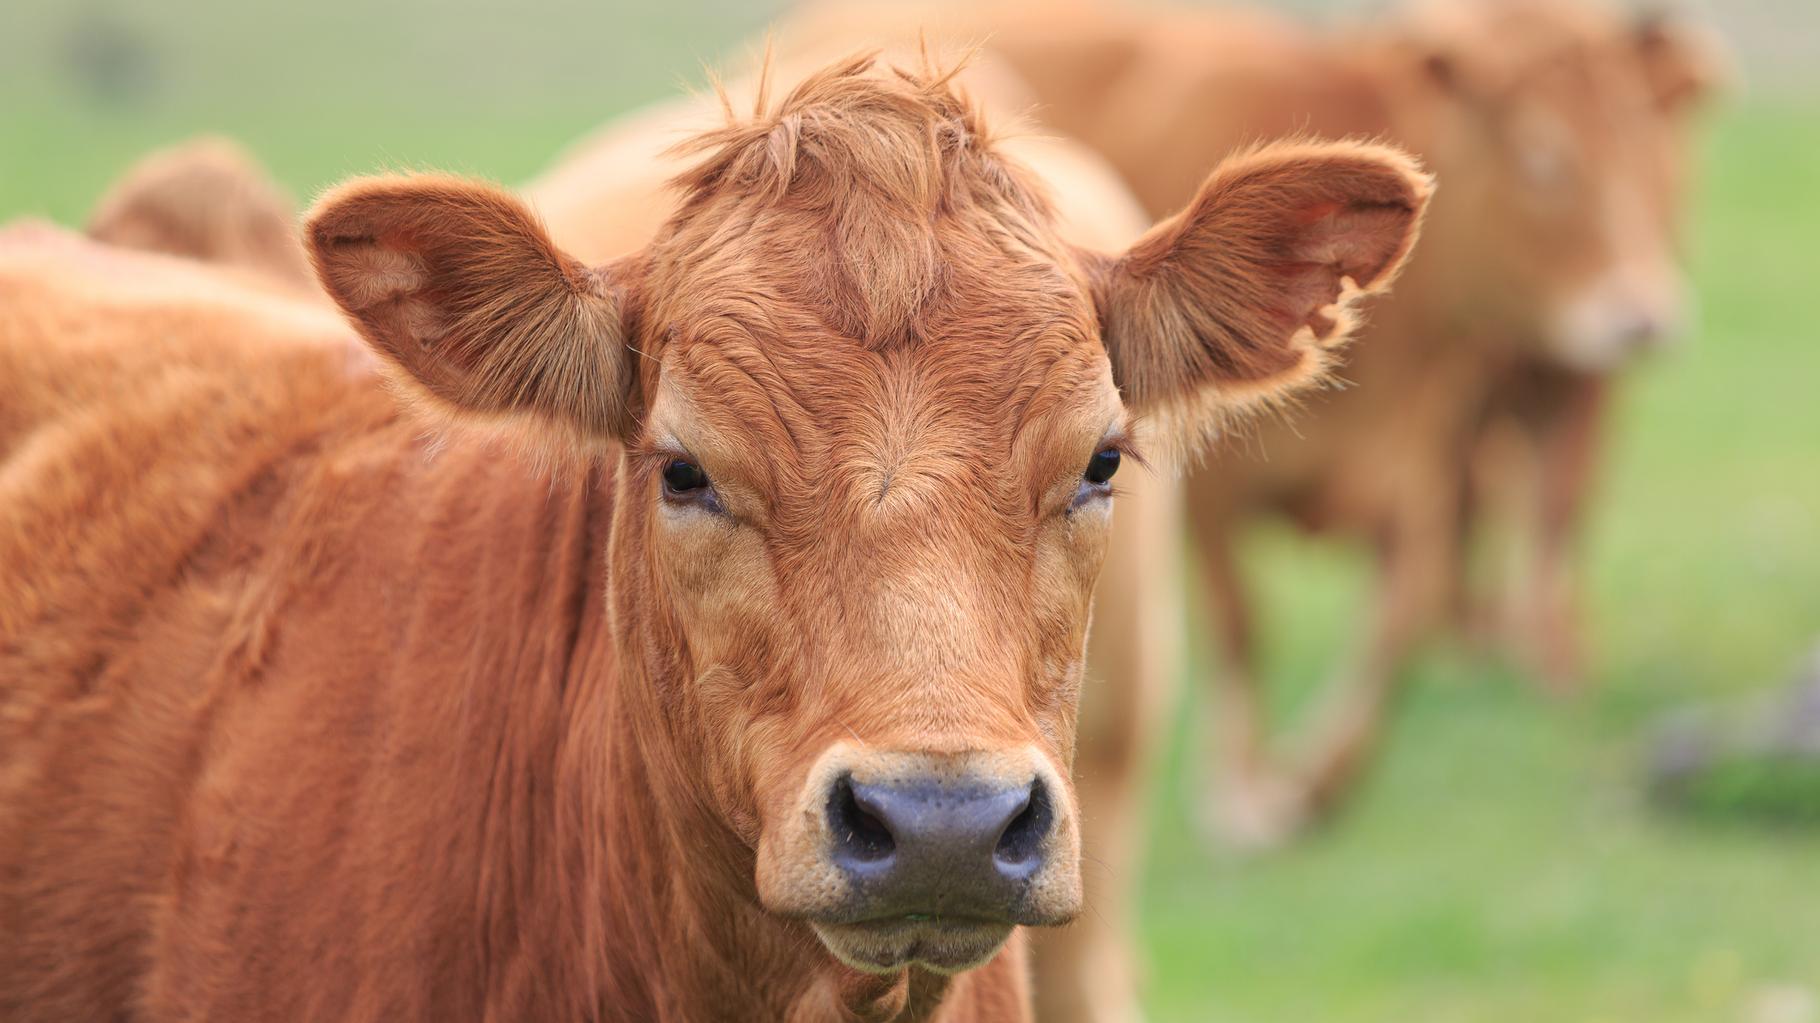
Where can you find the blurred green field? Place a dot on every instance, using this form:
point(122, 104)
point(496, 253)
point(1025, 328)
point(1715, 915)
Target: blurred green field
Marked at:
point(1502, 866)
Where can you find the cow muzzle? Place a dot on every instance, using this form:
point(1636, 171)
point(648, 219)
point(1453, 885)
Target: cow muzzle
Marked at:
point(900, 858)
point(1617, 321)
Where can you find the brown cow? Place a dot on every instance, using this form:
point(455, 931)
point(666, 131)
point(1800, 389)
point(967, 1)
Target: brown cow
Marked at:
point(1550, 262)
point(750, 696)
point(608, 197)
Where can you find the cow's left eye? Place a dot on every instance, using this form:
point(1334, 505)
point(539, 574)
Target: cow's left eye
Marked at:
point(1096, 479)
point(1101, 467)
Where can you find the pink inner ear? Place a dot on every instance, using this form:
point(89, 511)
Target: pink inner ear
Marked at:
point(1335, 241)
point(387, 282)
point(1357, 241)
point(1306, 287)
point(372, 273)
point(1318, 212)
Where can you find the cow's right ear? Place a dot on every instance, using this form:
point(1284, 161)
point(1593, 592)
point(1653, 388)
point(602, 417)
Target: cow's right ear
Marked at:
point(1683, 63)
point(1244, 297)
point(457, 285)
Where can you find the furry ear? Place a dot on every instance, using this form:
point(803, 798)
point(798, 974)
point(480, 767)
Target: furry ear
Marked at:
point(206, 199)
point(1682, 63)
point(1244, 296)
point(457, 285)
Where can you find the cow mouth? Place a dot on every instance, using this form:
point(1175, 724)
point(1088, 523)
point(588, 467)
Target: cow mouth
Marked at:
point(941, 944)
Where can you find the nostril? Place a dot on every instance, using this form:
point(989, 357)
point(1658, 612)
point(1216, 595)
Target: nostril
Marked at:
point(859, 835)
point(1641, 331)
point(1020, 845)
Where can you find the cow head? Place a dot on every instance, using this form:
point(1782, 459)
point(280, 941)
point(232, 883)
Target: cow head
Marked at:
point(868, 411)
point(1559, 128)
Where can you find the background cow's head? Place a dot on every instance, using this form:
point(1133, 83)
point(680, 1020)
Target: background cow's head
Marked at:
point(868, 410)
point(1560, 128)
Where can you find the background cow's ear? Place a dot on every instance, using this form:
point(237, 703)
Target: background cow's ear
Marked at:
point(1683, 63)
point(458, 285)
point(210, 200)
point(1243, 297)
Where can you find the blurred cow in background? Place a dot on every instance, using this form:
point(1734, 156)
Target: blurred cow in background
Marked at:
point(1557, 131)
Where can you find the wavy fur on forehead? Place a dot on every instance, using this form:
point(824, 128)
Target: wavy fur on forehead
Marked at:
point(878, 156)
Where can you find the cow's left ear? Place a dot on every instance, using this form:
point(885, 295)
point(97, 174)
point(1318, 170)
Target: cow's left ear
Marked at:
point(1683, 63)
point(458, 286)
point(1245, 296)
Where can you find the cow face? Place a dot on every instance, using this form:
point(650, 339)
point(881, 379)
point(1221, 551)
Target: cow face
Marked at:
point(1562, 126)
point(869, 413)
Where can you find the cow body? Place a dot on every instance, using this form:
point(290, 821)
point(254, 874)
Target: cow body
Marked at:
point(329, 704)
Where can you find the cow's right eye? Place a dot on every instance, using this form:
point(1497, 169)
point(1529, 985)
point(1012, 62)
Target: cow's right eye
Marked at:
point(685, 485)
point(683, 478)
point(1096, 479)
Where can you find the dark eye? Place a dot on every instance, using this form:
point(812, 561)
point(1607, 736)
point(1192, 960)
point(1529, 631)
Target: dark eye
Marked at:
point(683, 478)
point(1096, 479)
point(1101, 467)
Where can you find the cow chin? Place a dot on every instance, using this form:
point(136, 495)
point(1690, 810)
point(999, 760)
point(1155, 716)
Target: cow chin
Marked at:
point(886, 946)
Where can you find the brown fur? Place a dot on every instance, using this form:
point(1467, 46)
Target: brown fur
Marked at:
point(465, 294)
point(313, 713)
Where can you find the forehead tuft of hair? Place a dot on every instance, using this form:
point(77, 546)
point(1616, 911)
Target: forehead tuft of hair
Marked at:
point(876, 157)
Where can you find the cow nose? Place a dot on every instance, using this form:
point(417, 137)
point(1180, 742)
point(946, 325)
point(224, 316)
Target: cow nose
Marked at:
point(940, 847)
point(1640, 331)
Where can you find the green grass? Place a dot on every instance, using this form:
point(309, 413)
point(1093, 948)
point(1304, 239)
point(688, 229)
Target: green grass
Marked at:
point(327, 89)
point(1502, 865)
